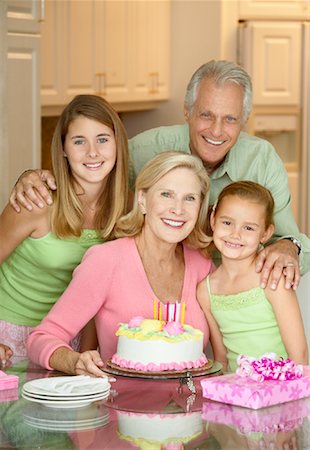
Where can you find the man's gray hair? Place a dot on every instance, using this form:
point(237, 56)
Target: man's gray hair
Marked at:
point(221, 72)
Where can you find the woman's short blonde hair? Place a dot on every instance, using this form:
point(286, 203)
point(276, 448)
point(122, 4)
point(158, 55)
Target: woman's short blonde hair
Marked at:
point(152, 172)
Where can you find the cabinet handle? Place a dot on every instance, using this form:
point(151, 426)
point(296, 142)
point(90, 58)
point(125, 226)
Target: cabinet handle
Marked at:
point(101, 82)
point(154, 77)
point(42, 11)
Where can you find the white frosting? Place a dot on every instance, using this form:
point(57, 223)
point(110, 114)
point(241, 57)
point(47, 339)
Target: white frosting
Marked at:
point(159, 351)
point(159, 427)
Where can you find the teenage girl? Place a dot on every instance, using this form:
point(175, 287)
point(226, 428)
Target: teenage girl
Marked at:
point(39, 250)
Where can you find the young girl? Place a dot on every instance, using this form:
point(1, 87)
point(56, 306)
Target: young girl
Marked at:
point(40, 250)
point(244, 318)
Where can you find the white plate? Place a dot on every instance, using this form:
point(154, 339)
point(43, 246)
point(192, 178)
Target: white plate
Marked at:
point(68, 403)
point(67, 386)
point(36, 411)
point(65, 398)
point(50, 426)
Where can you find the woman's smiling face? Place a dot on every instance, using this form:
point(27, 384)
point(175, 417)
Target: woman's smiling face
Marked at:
point(172, 205)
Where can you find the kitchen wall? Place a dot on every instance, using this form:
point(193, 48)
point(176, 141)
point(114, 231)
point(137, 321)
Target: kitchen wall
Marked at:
point(3, 109)
point(200, 31)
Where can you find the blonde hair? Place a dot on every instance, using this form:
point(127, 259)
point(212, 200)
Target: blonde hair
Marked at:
point(67, 215)
point(252, 191)
point(152, 172)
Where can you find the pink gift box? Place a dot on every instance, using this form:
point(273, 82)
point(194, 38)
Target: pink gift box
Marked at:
point(236, 390)
point(286, 417)
point(8, 381)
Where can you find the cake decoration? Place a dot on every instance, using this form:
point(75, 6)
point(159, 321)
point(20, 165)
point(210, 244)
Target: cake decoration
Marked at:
point(159, 431)
point(152, 345)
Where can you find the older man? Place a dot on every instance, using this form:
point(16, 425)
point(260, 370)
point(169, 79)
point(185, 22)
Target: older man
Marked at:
point(217, 106)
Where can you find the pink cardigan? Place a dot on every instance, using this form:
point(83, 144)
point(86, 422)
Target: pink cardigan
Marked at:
point(111, 285)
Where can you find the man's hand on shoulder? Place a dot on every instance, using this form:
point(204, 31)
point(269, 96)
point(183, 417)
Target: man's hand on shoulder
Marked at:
point(32, 187)
point(275, 259)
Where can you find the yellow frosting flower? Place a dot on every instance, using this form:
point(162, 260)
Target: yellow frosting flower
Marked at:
point(150, 325)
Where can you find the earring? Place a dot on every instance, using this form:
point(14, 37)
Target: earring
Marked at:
point(64, 155)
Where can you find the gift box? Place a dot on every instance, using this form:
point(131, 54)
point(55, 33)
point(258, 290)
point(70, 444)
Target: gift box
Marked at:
point(8, 381)
point(8, 387)
point(236, 390)
point(284, 418)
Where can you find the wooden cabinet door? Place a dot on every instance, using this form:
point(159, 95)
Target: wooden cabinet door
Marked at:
point(24, 16)
point(24, 148)
point(80, 48)
point(114, 38)
point(274, 9)
point(51, 50)
point(271, 53)
point(151, 49)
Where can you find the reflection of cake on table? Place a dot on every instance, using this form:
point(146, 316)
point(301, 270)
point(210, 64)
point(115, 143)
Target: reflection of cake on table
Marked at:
point(156, 346)
point(159, 431)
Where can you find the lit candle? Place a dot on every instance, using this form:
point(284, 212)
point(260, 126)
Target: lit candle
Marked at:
point(155, 309)
point(183, 313)
point(167, 311)
point(177, 318)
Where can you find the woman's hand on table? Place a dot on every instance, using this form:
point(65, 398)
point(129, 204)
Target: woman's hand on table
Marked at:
point(86, 363)
point(5, 354)
point(89, 363)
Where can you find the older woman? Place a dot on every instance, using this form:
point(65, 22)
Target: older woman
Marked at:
point(161, 253)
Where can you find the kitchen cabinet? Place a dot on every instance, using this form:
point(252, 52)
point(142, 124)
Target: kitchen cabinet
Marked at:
point(23, 92)
point(274, 9)
point(275, 65)
point(116, 49)
point(271, 52)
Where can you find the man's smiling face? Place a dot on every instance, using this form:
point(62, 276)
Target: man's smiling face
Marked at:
point(215, 121)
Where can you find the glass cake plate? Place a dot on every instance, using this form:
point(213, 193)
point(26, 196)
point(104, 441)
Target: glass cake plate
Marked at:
point(210, 368)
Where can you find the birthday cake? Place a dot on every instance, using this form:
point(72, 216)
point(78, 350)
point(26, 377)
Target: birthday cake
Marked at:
point(150, 345)
point(158, 431)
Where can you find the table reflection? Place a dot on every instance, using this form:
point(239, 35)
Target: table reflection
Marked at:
point(148, 415)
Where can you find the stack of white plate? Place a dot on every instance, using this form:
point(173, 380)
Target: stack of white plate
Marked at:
point(66, 392)
point(50, 419)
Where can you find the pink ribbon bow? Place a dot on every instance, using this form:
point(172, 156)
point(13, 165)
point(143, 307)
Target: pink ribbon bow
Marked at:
point(268, 367)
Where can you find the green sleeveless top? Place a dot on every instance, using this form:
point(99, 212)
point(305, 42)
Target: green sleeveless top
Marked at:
point(35, 275)
point(247, 323)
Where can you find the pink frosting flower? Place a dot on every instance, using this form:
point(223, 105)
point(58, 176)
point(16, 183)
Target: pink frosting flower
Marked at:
point(174, 328)
point(135, 322)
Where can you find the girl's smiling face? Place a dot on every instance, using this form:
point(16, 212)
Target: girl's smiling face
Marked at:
point(172, 205)
point(239, 227)
point(90, 148)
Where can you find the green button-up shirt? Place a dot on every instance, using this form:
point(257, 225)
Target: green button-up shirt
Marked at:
point(251, 158)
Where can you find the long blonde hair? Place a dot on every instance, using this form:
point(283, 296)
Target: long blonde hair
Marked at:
point(132, 223)
point(67, 215)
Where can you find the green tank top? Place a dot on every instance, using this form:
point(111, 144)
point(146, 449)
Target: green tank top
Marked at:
point(247, 323)
point(35, 275)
